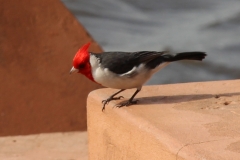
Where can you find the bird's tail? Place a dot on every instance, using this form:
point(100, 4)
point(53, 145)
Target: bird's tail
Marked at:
point(199, 56)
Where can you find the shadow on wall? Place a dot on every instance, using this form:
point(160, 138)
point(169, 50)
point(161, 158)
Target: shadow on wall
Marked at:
point(180, 98)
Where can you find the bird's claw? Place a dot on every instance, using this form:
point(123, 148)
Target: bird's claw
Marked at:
point(105, 102)
point(110, 99)
point(127, 103)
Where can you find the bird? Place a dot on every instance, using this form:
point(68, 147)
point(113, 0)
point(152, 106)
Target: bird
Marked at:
point(125, 70)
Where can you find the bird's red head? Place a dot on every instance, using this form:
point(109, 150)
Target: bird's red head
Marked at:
point(81, 62)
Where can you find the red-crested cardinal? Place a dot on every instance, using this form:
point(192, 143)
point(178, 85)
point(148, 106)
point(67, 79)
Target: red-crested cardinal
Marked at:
point(125, 70)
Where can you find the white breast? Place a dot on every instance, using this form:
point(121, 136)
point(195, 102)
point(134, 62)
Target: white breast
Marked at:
point(135, 78)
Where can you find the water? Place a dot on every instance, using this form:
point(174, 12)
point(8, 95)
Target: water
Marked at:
point(212, 26)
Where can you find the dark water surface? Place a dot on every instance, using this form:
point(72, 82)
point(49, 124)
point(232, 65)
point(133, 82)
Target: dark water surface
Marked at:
point(212, 26)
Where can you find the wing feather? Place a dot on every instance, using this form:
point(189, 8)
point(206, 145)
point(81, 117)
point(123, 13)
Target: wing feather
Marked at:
point(124, 62)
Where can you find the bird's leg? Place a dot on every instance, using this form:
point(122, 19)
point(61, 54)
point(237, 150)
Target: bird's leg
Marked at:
point(112, 98)
point(130, 101)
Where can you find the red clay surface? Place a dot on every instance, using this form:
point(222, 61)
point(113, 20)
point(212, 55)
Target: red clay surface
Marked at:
point(38, 40)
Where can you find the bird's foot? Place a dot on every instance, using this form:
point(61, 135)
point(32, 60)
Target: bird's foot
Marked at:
point(105, 102)
point(127, 103)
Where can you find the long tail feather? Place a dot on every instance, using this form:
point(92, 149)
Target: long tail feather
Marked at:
point(199, 56)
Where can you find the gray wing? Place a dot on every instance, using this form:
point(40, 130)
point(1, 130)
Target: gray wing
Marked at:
point(126, 61)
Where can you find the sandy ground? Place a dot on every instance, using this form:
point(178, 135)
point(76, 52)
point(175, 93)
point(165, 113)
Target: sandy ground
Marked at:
point(52, 146)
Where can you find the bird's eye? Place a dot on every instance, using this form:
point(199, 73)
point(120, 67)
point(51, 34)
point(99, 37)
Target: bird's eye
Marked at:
point(81, 66)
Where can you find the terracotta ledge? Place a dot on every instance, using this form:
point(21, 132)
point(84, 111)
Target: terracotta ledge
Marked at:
point(177, 121)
